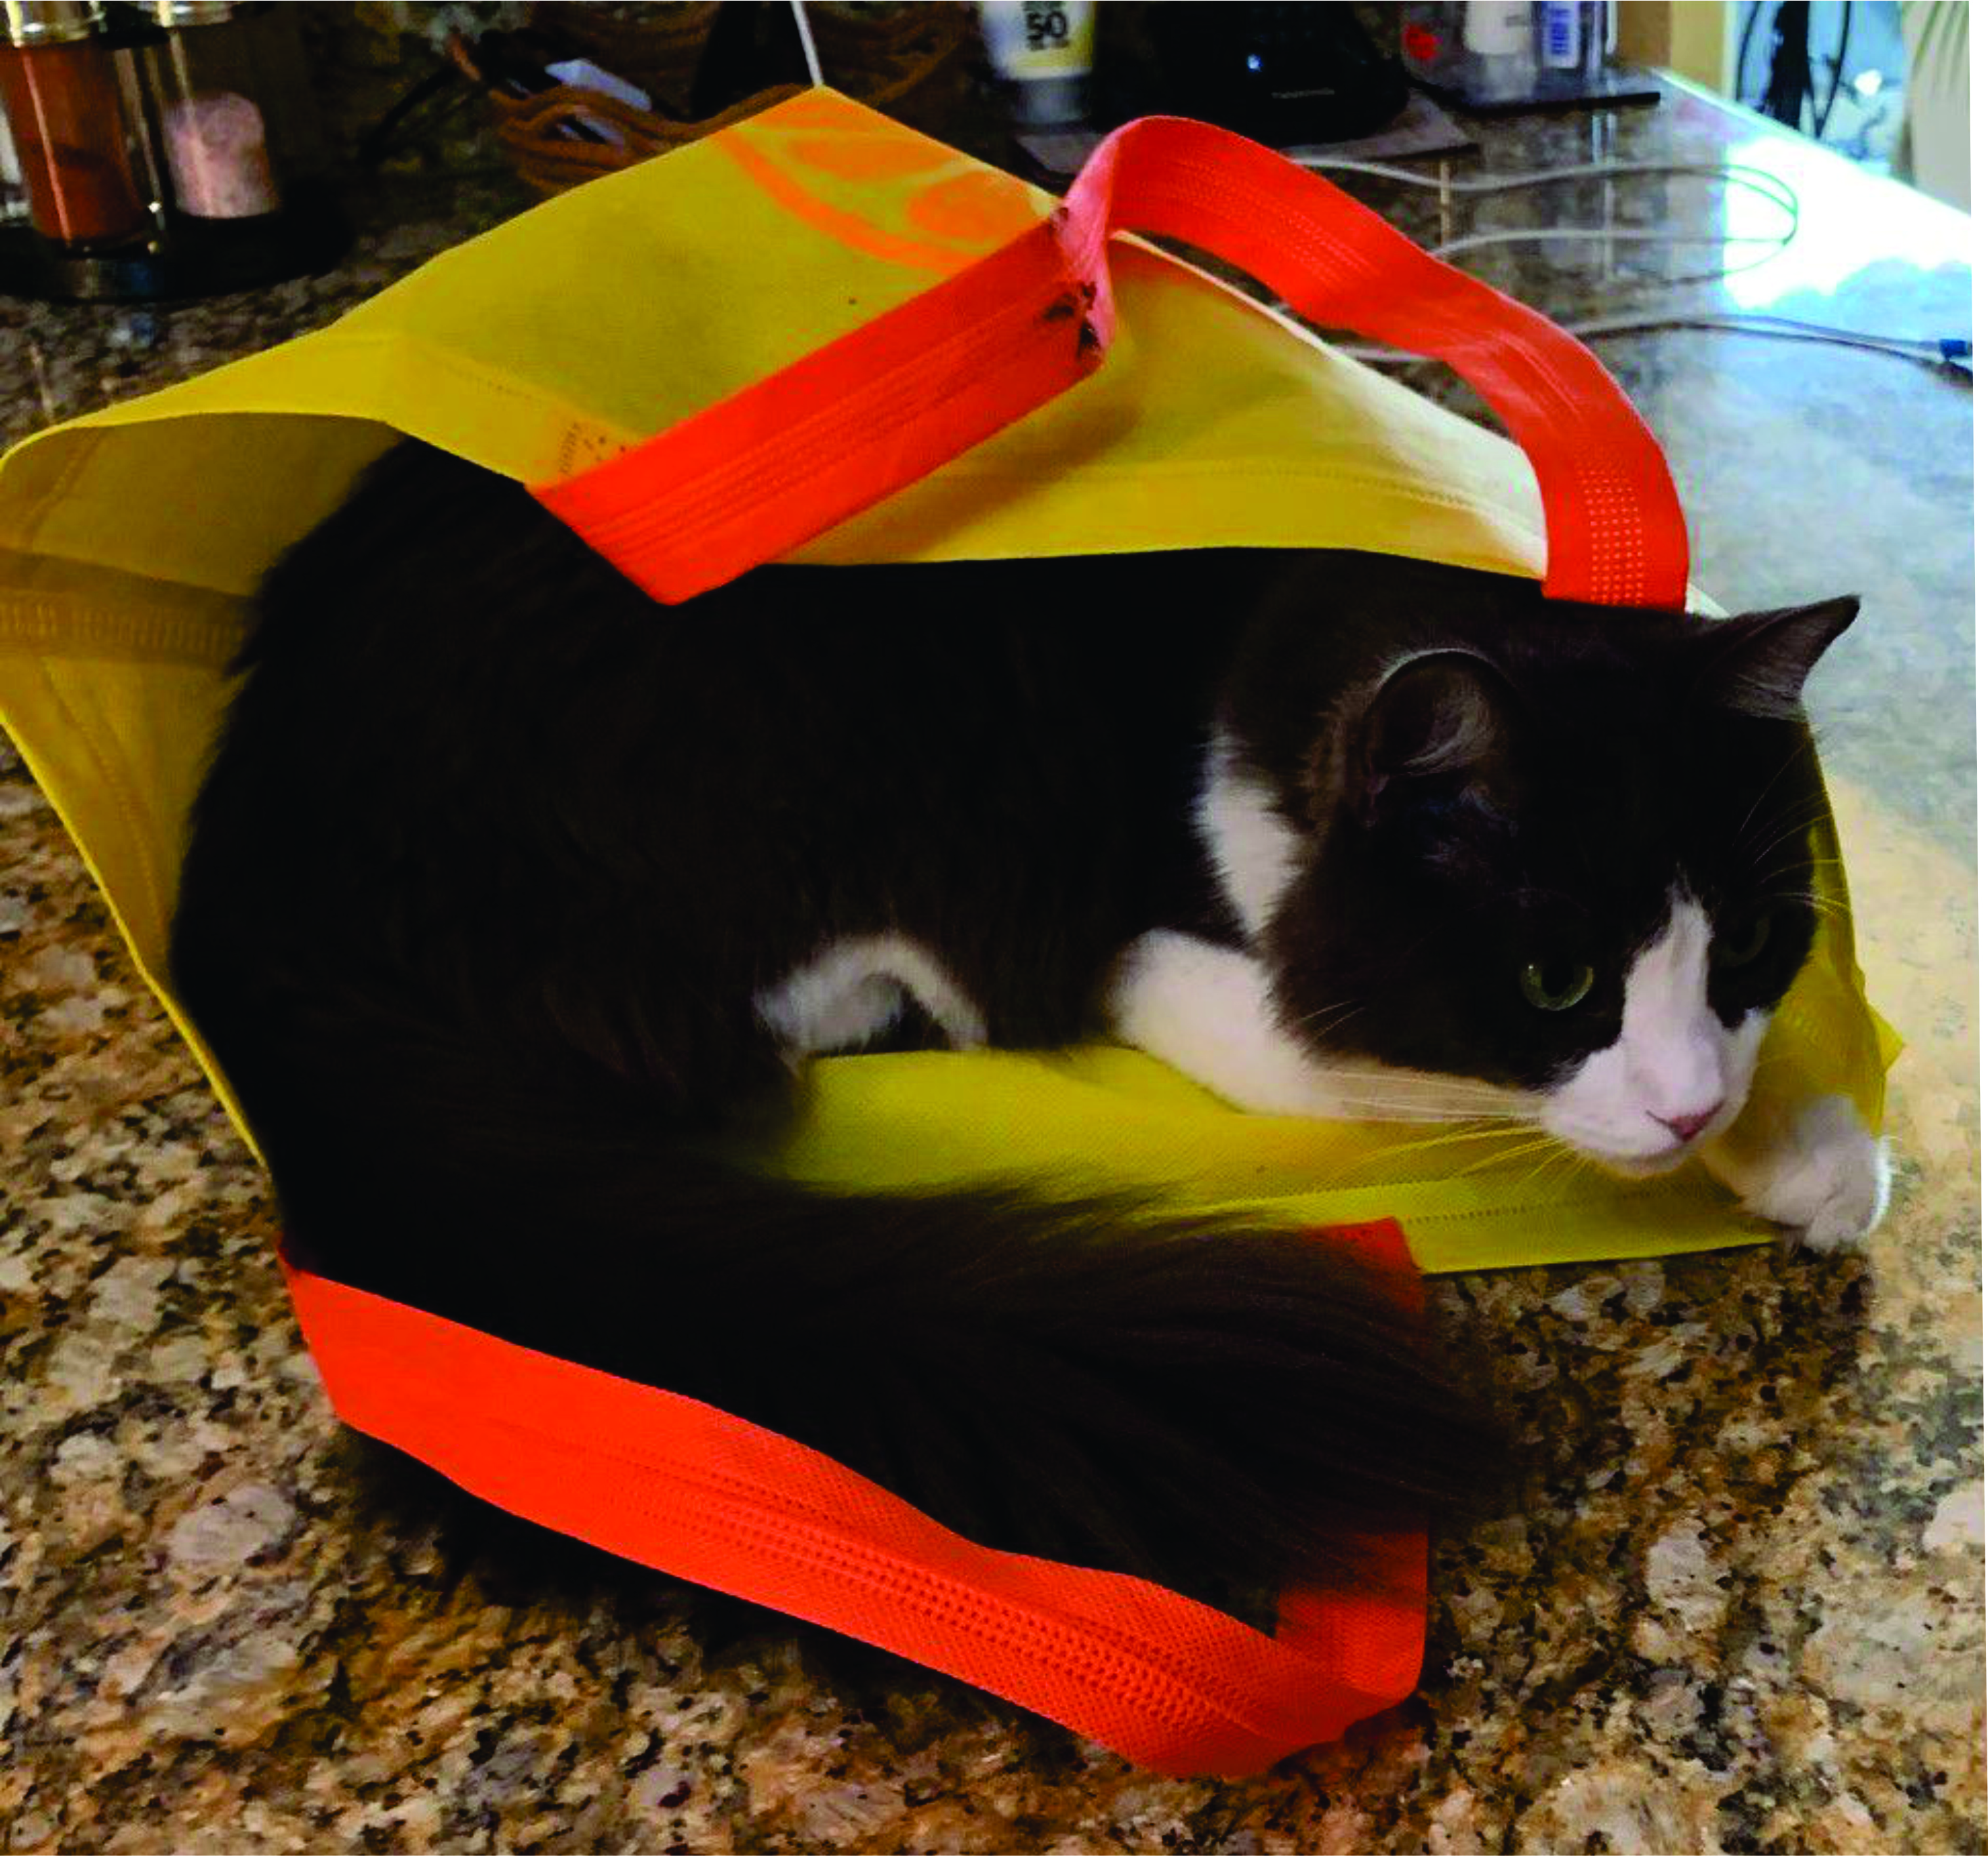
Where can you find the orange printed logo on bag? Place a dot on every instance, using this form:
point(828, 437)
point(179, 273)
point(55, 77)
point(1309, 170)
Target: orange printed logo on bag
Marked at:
point(832, 164)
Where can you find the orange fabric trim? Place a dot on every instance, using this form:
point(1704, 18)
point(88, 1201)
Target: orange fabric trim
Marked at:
point(679, 1486)
point(691, 1490)
point(752, 478)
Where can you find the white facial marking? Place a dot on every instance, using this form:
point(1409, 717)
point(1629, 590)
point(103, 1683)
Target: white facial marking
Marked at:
point(855, 988)
point(1256, 852)
point(1675, 1077)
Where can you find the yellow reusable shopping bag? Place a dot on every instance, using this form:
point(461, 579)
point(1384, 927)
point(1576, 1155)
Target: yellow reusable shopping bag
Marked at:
point(131, 539)
point(548, 350)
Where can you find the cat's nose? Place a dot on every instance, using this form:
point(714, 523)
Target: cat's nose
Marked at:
point(1686, 1127)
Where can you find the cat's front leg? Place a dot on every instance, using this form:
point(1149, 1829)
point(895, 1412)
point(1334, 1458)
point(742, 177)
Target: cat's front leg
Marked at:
point(1814, 1168)
point(1209, 1011)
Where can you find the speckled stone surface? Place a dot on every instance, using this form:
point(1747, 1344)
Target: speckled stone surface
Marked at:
point(1738, 1605)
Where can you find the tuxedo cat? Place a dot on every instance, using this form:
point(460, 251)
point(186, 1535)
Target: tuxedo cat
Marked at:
point(514, 904)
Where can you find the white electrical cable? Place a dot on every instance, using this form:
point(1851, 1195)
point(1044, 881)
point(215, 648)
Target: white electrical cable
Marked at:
point(1754, 180)
point(1785, 328)
point(1633, 235)
point(1759, 180)
point(799, 10)
point(1765, 320)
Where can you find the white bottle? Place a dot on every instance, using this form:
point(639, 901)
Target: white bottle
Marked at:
point(1043, 49)
point(1499, 36)
point(1562, 24)
point(1496, 27)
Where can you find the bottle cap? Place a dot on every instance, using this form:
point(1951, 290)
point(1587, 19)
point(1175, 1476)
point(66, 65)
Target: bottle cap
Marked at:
point(191, 12)
point(30, 22)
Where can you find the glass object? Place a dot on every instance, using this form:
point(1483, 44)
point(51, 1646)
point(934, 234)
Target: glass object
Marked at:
point(13, 195)
point(212, 131)
point(1498, 35)
point(59, 91)
point(1573, 39)
point(1498, 54)
point(298, 150)
point(238, 126)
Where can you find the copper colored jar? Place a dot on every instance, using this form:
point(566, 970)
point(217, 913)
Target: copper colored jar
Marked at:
point(59, 89)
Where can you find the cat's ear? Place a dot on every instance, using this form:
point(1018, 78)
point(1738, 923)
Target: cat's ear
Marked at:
point(1757, 663)
point(1438, 715)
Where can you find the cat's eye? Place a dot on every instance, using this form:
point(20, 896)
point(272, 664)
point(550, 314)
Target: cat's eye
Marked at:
point(1741, 946)
point(1555, 986)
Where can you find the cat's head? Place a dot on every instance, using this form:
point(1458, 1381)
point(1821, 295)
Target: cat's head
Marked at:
point(1565, 852)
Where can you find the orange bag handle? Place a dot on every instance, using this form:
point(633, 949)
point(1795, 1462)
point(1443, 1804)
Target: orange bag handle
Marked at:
point(692, 1491)
point(752, 477)
point(676, 1485)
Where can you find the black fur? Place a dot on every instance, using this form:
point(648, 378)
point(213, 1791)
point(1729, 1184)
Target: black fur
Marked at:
point(495, 855)
point(1609, 756)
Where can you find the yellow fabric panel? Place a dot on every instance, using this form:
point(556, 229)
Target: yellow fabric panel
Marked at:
point(119, 747)
point(129, 538)
point(528, 351)
point(1116, 1119)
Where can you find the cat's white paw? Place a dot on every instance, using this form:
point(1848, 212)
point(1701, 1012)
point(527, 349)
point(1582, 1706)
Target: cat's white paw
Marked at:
point(1826, 1177)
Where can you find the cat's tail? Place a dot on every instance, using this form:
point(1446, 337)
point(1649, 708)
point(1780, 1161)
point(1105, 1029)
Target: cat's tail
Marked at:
point(1213, 1403)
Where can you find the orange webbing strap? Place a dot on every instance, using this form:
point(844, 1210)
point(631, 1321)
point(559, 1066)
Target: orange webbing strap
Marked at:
point(677, 1486)
point(752, 478)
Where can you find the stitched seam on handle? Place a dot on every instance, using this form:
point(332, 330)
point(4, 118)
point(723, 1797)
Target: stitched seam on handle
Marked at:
point(784, 461)
point(1598, 511)
point(1017, 1623)
point(1616, 555)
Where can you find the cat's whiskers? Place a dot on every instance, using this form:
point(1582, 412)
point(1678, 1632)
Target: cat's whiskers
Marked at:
point(1800, 829)
point(1771, 860)
point(1561, 1156)
point(1513, 1143)
point(1415, 1099)
point(1807, 895)
point(1385, 1076)
point(1802, 892)
point(1463, 1132)
point(1335, 1016)
point(1544, 1144)
point(1802, 854)
point(1739, 836)
point(1548, 1151)
point(1822, 905)
point(1359, 1077)
point(1405, 1114)
point(1417, 1085)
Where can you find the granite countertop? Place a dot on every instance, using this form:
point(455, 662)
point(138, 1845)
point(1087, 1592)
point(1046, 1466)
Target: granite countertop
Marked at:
point(1738, 1606)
